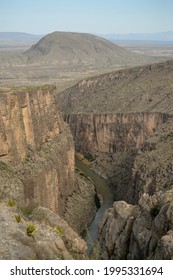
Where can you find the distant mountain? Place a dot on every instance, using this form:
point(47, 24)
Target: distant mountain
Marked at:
point(161, 36)
point(68, 49)
point(18, 36)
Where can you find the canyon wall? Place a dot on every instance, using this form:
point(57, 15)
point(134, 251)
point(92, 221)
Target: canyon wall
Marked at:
point(109, 133)
point(36, 148)
point(27, 117)
point(144, 230)
point(134, 232)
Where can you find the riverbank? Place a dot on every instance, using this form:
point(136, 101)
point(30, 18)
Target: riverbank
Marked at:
point(80, 206)
point(103, 191)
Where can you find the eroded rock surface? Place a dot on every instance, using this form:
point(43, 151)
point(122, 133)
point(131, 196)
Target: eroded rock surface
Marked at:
point(109, 133)
point(132, 232)
point(52, 238)
point(37, 146)
point(37, 170)
point(80, 207)
point(147, 229)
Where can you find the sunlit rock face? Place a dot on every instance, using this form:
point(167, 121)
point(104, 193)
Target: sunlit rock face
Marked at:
point(37, 144)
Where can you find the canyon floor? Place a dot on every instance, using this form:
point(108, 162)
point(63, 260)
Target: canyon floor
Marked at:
point(119, 115)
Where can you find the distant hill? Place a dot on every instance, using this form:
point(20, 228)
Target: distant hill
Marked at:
point(161, 36)
point(140, 89)
point(62, 56)
point(71, 50)
point(18, 36)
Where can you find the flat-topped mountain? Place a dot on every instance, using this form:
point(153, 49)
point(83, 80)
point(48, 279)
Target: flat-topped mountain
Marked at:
point(140, 89)
point(80, 49)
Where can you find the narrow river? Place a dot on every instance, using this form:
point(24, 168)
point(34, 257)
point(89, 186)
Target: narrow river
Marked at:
point(105, 193)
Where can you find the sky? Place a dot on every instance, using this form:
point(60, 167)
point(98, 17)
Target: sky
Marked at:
point(87, 16)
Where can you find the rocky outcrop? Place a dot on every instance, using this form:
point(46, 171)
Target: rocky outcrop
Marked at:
point(80, 206)
point(37, 174)
point(36, 146)
point(138, 232)
point(109, 133)
point(37, 179)
point(51, 239)
point(145, 230)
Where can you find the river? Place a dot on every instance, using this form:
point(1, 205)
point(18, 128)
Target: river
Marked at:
point(105, 193)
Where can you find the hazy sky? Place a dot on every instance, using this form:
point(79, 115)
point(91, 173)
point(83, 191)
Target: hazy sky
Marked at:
point(92, 16)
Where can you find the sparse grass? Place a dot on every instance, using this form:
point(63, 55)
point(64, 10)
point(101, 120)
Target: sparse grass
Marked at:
point(59, 231)
point(30, 230)
point(11, 202)
point(18, 218)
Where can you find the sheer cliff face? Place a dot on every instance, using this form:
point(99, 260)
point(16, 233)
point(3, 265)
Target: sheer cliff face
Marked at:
point(37, 145)
point(27, 118)
point(110, 133)
point(144, 230)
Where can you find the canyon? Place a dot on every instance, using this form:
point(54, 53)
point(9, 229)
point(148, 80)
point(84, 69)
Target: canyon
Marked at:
point(122, 123)
point(109, 133)
point(29, 123)
point(38, 182)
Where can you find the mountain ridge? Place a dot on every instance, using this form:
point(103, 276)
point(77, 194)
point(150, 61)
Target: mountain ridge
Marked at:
point(146, 88)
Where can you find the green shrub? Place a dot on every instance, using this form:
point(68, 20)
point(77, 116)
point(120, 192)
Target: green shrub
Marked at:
point(154, 210)
point(31, 228)
point(18, 218)
point(11, 202)
point(59, 231)
point(89, 157)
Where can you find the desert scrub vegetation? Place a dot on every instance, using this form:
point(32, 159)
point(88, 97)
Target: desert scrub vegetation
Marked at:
point(90, 157)
point(32, 88)
point(30, 229)
point(58, 230)
point(11, 202)
point(17, 218)
point(154, 210)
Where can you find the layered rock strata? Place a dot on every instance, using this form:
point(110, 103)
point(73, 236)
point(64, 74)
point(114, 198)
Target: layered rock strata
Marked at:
point(144, 230)
point(109, 133)
point(37, 172)
point(37, 145)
